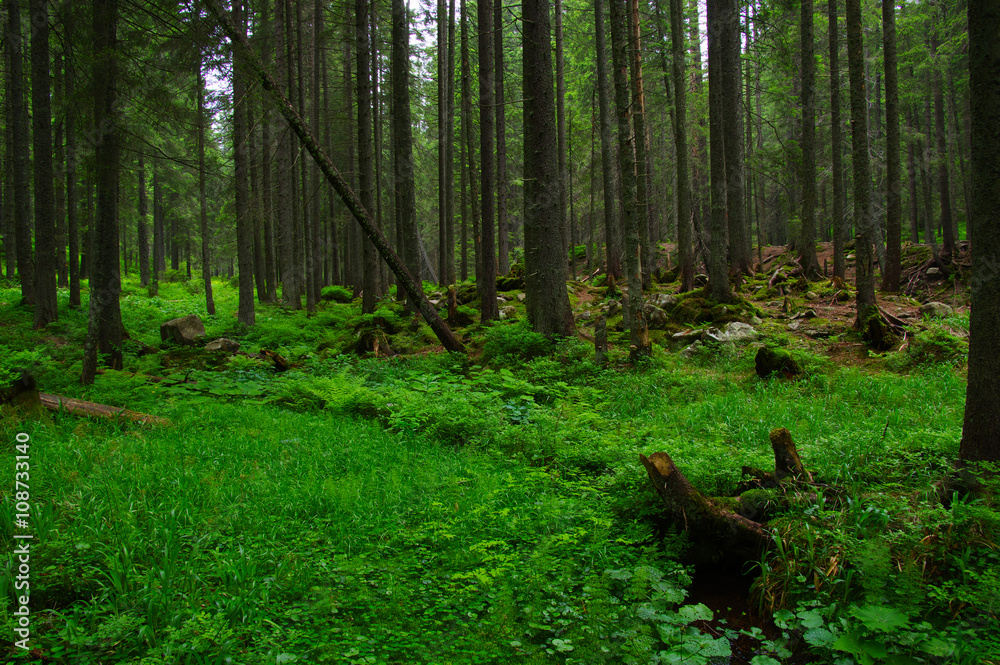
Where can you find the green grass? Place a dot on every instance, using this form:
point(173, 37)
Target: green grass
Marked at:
point(430, 509)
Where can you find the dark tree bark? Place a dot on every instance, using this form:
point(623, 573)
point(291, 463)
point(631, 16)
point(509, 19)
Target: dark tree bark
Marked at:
point(59, 175)
point(807, 174)
point(642, 188)
point(981, 431)
point(206, 256)
point(864, 264)
point(468, 144)
point(285, 149)
point(911, 176)
point(366, 173)
point(442, 140)
point(837, 167)
point(544, 253)
point(487, 286)
point(925, 177)
point(894, 185)
point(449, 173)
point(944, 187)
point(142, 231)
point(244, 228)
point(154, 278)
point(402, 136)
point(612, 223)
point(685, 246)
point(740, 248)
point(46, 310)
point(718, 277)
point(503, 235)
point(304, 248)
point(72, 225)
point(561, 124)
point(639, 332)
point(104, 325)
point(17, 120)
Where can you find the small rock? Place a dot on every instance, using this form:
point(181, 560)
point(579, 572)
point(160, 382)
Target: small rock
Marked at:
point(936, 310)
point(794, 325)
point(509, 312)
point(691, 350)
point(738, 332)
point(185, 330)
point(584, 316)
point(662, 300)
point(933, 272)
point(521, 297)
point(501, 299)
point(808, 314)
point(656, 318)
point(223, 344)
point(755, 321)
point(774, 303)
point(850, 257)
point(812, 295)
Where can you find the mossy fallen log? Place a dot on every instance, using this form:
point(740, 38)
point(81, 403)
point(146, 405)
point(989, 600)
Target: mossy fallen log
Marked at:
point(716, 530)
point(79, 407)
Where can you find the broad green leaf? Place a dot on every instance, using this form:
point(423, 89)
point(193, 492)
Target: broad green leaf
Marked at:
point(880, 618)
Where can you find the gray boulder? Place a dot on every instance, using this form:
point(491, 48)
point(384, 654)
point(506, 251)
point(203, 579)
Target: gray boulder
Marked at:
point(186, 330)
point(656, 318)
point(223, 344)
point(738, 333)
point(662, 300)
point(936, 310)
point(509, 312)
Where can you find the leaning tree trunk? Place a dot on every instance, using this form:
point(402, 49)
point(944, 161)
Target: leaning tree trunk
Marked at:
point(336, 180)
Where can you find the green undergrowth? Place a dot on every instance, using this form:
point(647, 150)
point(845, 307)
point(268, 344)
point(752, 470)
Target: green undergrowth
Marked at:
point(433, 508)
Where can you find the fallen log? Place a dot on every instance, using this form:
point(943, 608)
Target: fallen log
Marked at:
point(79, 407)
point(716, 530)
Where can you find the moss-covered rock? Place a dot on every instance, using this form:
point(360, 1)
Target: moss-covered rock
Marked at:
point(771, 361)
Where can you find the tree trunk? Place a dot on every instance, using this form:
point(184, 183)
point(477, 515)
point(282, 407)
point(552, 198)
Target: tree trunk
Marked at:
point(59, 176)
point(154, 279)
point(807, 177)
point(406, 202)
point(864, 264)
point(244, 228)
point(442, 140)
point(925, 177)
point(468, 144)
point(72, 229)
point(718, 277)
point(685, 246)
point(544, 252)
point(487, 285)
point(142, 232)
point(839, 267)
point(206, 256)
point(641, 138)
point(503, 234)
point(366, 173)
point(17, 120)
point(981, 430)
point(739, 246)
point(640, 345)
point(612, 223)
point(449, 174)
point(561, 124)
point(944, 188)
point(104, 325)
point(911, 176)
point(894, 212)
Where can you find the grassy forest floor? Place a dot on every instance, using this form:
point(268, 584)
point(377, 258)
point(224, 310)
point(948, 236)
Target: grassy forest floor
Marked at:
point(411, 506)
